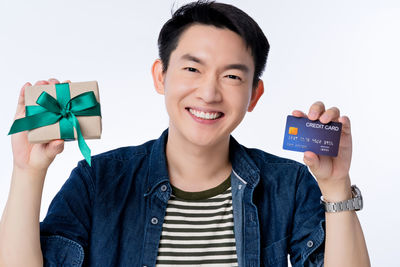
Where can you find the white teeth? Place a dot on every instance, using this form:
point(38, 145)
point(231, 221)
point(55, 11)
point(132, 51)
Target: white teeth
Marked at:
point(205, 115)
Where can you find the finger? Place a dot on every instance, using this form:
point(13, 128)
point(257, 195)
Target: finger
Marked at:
point(54, 147)
point(331, 114)
point(316, 110)
point(20, 112)
point(42, 82)
point(346, 126)
point(67, 81)
point(53, 80)
point(298, 113)
point(312, 161)
point(57, 146)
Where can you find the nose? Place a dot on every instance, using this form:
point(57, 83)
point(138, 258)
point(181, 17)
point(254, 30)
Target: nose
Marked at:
point(209, 90)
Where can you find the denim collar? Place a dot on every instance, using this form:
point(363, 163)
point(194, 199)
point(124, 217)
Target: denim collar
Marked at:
point(242, 164)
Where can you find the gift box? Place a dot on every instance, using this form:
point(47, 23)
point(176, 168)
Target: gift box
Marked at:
point(66, 111)
point(90, 126)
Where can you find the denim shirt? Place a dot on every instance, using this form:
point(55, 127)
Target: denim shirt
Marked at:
point(111, 214)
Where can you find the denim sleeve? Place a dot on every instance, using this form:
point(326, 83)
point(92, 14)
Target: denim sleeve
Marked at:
point(64, 232)
point(308, 233)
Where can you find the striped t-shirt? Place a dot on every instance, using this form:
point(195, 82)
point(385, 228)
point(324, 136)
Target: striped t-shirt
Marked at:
point(198, 228)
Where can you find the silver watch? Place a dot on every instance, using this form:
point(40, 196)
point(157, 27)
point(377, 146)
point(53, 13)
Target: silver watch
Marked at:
point(356, 203)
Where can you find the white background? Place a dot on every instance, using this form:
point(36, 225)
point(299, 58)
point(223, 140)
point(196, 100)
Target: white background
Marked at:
point(345, 53)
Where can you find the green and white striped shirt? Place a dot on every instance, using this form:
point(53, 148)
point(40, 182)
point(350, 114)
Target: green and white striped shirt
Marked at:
point(198, 229)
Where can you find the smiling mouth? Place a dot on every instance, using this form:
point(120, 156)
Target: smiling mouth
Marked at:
point(205, 115)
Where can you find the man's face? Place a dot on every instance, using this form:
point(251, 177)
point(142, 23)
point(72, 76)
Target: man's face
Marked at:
point(208, 84)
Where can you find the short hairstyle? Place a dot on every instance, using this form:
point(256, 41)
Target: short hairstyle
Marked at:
point(219, 15)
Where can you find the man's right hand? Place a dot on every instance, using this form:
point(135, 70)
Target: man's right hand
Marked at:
point(33, 157)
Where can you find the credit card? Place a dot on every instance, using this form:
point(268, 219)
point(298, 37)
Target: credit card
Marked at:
point(302, 134)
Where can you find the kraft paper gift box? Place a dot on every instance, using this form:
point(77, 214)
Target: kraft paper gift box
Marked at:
point(90, 125)
point(66, 111)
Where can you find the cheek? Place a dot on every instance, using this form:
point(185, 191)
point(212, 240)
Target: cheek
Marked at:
point(177, 85)
point(175, 91)
point(240, 100)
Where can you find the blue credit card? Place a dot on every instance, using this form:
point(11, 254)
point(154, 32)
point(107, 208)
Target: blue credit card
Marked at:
point(302, 134)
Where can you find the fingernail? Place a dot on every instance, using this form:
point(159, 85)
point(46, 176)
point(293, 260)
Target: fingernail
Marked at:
point(307, 160)
point(313, 114)
point(324, 118)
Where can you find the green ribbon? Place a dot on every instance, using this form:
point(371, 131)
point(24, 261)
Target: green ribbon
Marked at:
point(63, 109)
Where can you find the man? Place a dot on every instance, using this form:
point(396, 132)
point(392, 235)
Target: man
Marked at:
point(195, 196)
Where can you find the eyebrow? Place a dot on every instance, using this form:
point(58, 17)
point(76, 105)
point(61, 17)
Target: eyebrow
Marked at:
point(237, 66)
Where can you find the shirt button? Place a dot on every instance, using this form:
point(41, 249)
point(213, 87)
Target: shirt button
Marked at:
point(310, 243)
point(154, 220)
point(163, 188)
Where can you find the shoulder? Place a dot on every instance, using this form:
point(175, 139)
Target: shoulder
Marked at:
point(116, 170)
point(278, 171)
point(124, 153)
point(117, 160)
point(265, 159)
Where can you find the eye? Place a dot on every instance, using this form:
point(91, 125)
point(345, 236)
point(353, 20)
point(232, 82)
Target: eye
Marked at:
point(191, 69)
point(234, 77)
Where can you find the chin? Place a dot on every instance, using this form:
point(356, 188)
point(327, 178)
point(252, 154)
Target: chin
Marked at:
point(204, 139)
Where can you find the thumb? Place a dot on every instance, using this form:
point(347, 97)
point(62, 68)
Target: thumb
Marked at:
point(311, 160)
point(20, 113)
point(55, 147)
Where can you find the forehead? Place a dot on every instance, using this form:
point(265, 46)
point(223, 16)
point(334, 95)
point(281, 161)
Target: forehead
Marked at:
point(210, 43)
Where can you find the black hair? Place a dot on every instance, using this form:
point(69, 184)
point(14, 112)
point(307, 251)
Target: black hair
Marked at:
point(219, 15)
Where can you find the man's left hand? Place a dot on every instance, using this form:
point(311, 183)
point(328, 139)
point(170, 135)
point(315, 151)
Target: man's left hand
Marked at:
point(332, 173)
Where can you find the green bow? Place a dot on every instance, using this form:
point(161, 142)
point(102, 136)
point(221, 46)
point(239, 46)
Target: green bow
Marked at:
point(65, 110)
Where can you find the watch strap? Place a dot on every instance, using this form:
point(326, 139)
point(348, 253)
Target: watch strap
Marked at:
point(356, 203)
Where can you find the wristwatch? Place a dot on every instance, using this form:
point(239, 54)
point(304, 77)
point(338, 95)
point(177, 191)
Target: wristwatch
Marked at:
point(356, 203)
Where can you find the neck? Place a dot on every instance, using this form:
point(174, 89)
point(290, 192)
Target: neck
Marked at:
point(196, 168)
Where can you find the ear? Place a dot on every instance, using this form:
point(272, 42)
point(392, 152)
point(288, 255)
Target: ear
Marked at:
point(255, 95)
point(158, 76)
